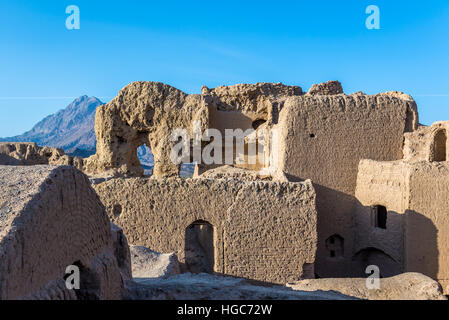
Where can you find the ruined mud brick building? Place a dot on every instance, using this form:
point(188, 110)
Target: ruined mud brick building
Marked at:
point(348, 181)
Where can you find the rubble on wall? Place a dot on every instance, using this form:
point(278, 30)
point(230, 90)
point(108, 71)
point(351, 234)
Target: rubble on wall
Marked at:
point(216, 287)
point(150, 264)
point(29, 153)
point(407, 286)
point(327, 88)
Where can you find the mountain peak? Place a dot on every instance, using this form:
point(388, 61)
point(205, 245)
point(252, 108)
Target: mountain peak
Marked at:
point(84, 98)
point(70, 128)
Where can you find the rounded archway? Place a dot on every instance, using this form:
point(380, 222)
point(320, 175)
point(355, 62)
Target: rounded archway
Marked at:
point(372, 256)
point(439, 145)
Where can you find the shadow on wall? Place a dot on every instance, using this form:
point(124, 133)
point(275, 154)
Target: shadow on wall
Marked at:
point(388, 267)
point(379, 238)
point(395, 242)
point(422, 254)
point(334, 231)
point(90, 283)
point(350, 238)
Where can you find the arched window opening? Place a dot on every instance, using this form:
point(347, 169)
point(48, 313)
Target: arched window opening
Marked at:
point(146, 159)
point(410, 120)
point(335, 246)
point(439, 146)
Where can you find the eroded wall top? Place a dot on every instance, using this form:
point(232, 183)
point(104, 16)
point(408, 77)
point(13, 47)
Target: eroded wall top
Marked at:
point(148, 112)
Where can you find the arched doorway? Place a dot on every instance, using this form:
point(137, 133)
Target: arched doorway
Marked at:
point(380, 217)
point(199, 247)
point(439, 146)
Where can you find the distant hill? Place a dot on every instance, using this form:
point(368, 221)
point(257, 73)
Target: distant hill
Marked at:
point(72, 129)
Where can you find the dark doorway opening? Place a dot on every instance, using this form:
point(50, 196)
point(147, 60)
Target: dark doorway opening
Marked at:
point(380, 217)
point(199, 247)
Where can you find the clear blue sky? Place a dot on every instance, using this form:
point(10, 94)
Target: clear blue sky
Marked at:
point(187, 44)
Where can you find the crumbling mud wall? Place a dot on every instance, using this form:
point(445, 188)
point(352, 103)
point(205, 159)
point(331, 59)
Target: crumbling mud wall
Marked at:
point(143, 113)
point(323, 138)
point(259, 230)
point(148, 112)
point(51, 218)
point(244, 107)
point(29, 153)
